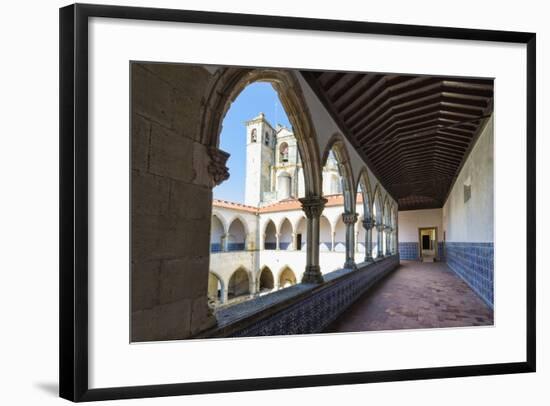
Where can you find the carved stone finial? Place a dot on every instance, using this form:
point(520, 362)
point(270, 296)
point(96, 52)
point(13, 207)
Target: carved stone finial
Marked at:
point(313, 206)
point(217, 169)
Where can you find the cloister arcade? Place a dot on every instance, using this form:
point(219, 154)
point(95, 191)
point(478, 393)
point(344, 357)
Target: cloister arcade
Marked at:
point(236, 252)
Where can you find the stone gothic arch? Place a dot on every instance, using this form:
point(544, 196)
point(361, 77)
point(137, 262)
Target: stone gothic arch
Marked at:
point(337, 144)
point(228, 84)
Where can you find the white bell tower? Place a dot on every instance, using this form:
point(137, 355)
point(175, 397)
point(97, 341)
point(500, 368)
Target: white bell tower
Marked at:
point(260, 144)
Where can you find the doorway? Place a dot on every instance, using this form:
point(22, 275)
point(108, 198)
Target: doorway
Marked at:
point(427, 237)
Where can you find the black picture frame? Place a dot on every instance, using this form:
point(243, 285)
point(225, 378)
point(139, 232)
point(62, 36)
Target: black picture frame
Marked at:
point(73, 197)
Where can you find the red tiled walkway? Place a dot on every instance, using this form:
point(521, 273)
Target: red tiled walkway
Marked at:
point(416, 295)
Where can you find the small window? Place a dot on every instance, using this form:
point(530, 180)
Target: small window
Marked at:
point(283, 152)
point(253, 136)
point(267, 138)
point(467, 192)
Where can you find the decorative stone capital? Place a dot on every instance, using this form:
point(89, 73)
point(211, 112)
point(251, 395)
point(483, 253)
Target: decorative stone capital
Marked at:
point(368, 223)
point(312, 274)
point(313, 206)
point(349, 218)
point(217, 169)
point(350, 264)
point(380, 227)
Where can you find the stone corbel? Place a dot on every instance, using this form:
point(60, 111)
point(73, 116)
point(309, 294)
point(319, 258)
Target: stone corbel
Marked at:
point(217, 169)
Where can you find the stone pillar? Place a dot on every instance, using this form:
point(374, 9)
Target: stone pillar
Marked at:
point(388, 240)
point(224, 293)
point(357, 241)
point(225, 242)
point(368, 224)
point(252, 285)
point(313, 207)
point(294, 242)
point(380, 235)
point(349, 220)
point(277, 238)
point(333, 241)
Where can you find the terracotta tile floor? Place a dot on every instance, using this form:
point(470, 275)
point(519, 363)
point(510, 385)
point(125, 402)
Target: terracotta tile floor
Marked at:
point(416, 295)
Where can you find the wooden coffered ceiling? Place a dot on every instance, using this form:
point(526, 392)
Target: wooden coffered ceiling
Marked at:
point(414, 132)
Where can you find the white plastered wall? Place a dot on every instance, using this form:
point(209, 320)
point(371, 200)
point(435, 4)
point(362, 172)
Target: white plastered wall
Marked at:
point(473, 221)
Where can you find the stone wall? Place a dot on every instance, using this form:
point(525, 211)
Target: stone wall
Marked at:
point(170, 195)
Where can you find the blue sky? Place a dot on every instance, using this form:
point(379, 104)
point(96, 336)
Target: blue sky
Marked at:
point(255, 98)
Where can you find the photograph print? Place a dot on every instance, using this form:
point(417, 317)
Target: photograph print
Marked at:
point(272, 201)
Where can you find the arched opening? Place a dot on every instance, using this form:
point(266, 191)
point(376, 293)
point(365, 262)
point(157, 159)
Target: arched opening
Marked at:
point(283, 152)
point(332, 180)
point(301, 233)
point(236, 236)
point(287, 278)
point(360, 238)
point(270, 241)
point(216, 234)
point(239, 284)
point(228, 89)
point(285, 235)
point(337, 172)
point(339, 236)
point(266, 281)
point(215, 289)
point(325, 235)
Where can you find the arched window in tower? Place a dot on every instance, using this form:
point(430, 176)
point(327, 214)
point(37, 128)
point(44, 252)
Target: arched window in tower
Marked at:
point(253, 135)
point(267, 138)
point(283, 152)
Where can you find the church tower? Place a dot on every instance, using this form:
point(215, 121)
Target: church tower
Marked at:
point(260, 147)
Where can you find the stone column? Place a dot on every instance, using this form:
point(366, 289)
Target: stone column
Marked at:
point(313, 207)
point(294, 242)
point(349, 220)
point(252, 285)
point(368, 224)
point(224, 293)
point(277, 238)
point(332, 241)
point(225, 242)
point(380, 235)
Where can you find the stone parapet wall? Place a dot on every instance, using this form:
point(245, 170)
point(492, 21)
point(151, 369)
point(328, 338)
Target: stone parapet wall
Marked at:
point(303, 308)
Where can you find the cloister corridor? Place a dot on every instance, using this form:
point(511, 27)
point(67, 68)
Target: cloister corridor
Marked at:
point(416, 295)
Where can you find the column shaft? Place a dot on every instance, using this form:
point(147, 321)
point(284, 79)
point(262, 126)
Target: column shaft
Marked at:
point(313, 207)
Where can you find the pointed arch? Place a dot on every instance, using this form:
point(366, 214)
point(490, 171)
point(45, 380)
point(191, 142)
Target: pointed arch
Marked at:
point(236, 235)
point(337, 144)
point(386, 207)
point(363, 186)
point(216, 287)
point(222, 219)
point(270, 235)
point(266, 281)
point(239, 283)
point(228, 84)
point(286, 277)
point(285, 234)
point(217, 234)
point(377, 207)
